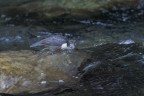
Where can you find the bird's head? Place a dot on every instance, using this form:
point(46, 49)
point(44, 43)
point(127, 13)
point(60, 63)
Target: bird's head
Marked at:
point(68, 45)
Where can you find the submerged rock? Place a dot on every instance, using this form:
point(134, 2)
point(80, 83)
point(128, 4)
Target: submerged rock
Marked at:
point(22, 72)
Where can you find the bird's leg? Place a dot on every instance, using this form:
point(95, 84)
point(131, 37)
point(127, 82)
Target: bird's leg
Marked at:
point(68, 43)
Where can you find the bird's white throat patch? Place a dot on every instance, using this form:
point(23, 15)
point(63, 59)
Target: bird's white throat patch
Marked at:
point(65, 46)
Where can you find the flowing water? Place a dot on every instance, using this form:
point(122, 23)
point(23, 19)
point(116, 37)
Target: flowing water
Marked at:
point(25, 70)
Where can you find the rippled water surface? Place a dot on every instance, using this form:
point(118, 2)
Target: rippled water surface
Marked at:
point(86, 34)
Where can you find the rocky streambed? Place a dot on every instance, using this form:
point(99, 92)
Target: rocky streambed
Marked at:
point(107, 60)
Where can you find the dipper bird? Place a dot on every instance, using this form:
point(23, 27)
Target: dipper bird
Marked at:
point(55, 42)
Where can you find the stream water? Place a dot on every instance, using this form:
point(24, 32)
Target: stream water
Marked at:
point(24, 71)
point(86, 34)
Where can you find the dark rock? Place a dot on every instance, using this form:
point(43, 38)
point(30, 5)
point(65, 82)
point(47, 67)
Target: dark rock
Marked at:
point(46, 9)
point(114, 70)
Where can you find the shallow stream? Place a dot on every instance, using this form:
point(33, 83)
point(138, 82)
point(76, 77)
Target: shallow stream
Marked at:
point(25, 70)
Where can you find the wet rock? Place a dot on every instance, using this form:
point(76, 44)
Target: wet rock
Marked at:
point(114, 70)
point(141, 4)
point(63, 8)
point(23, 72)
